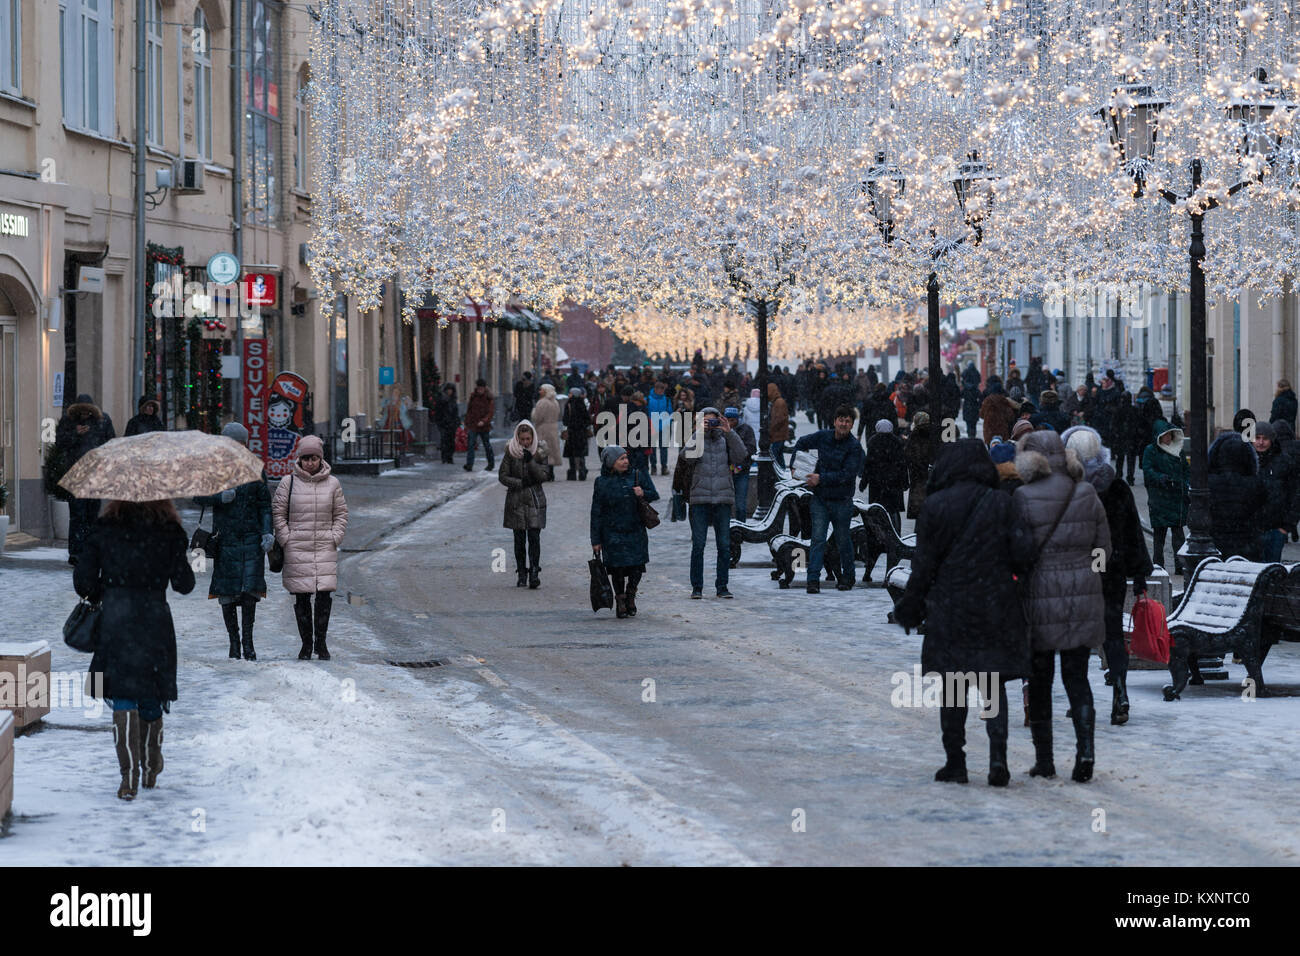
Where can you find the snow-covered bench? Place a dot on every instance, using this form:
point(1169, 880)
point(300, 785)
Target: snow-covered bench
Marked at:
point(783, 512)
point(790, 554)
point(881, 538)
point(25, 668)
point(1282, 608)
point(1222, 611)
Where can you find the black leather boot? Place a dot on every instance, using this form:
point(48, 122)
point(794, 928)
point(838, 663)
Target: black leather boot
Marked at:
point(1041, 732)
point(521, 577)
point(230, 614)
point(999, 773)
point(250, 614)
point(620, 605)
point(322, 624)
point(1085, 720)
point(534, 581)
point(1119, 701)
point(302, 612)
point(953, 725)
point(630, 599)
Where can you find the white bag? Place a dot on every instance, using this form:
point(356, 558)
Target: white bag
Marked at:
point(803, 464)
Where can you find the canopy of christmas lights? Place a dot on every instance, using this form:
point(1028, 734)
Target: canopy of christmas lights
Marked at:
point(657, 160)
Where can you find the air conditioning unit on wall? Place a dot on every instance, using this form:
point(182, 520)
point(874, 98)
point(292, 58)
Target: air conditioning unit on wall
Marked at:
point(189, 176)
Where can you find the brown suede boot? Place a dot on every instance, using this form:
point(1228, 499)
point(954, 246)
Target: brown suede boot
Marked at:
point(151, 752)
point(126, 740)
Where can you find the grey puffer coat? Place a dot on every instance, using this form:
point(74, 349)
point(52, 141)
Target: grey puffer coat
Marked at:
point(525, 499)
point(711, 481)
point(1064, 605)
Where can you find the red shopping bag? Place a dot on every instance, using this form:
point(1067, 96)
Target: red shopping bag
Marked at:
point(1151, 640)
point(462, 439)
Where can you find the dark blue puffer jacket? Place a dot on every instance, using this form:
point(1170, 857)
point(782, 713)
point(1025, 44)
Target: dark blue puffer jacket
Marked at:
point(838, 462)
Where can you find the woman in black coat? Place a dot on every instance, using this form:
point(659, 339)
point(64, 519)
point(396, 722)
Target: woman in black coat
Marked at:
point(969, 548)
point(884, 473)
point(618, 535)
point(577, 429)
point(134, 551)
point(918, 452)
point(1237, 495)
point(1129, 557)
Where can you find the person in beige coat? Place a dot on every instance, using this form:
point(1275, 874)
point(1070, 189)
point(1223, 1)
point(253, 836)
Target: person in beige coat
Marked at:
point(546, 418)
point(310, 517)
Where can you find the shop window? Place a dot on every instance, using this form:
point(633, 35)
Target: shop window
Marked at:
point(203, 87)
point(11, 45)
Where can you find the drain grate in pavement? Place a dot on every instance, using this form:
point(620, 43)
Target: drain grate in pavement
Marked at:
point(436, 663)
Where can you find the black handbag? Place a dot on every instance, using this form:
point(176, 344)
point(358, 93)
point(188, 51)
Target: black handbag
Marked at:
point(81, 629)
point(602, 592)
point(649, 517)
point(275, 557)
point(209, 542)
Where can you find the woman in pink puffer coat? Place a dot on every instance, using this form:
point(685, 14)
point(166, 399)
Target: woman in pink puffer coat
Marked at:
point(310, 517)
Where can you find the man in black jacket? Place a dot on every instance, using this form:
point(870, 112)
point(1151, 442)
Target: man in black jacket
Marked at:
point(146, 420)
point(525, 397)
point(446, 415)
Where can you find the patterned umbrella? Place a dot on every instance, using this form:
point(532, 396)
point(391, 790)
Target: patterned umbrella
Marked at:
point(158, 465)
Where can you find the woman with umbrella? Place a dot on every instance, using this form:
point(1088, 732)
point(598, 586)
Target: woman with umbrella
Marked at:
point(134, 551)
point(241, 518)
point(310, 516)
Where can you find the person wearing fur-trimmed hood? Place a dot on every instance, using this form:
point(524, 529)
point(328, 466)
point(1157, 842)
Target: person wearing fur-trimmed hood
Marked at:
point(1064, 606)
point(524, 467)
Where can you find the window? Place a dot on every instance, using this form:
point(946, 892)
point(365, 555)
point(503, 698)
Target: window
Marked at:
point(203, 87)
point(154, 73)
point(86, 58)
point(300, 131)
point(11, 35)
point(262, 114)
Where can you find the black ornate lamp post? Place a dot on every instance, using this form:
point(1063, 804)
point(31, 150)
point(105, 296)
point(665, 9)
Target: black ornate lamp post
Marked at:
point(1132, 119)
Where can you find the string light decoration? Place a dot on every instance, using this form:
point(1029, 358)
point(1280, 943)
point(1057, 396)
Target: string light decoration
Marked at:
point(663, 161)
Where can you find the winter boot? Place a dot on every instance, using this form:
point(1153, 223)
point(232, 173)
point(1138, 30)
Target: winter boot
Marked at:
point(999, 773)
point(630, 600)
point(534, 581)
point(250, 614)
point(1044, 766)
point(620, 605)
point(303, 614)
point(322, 624)
point(126, 740)
point(953, 724)
point(1085, 721)
point(151, 751)
point(521, 577)
point(570, 475)
point(582, 471)
point(230, 613)
point(1119, 701)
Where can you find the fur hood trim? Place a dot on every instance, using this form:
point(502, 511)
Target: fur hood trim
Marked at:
point(1035, 466)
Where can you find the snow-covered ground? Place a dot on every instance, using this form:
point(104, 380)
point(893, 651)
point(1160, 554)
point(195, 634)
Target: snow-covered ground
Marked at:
point(536, 745)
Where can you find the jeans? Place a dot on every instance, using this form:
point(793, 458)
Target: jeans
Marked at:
point(528, 548)
point(742, 494)
point(777, 450)
point(701, 517)
point(474, 438)
point(1270, 545)
point(1158, 544)
point(150, 710)
point(663, 453)
point(838, 514)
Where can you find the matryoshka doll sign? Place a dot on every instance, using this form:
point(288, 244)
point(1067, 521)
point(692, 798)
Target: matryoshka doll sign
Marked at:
point(284, 416)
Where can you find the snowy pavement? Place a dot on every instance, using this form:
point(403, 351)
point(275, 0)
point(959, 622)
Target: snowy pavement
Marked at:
point(700, 732)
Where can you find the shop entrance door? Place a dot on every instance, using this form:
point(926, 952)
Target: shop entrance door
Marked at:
point(9, 415)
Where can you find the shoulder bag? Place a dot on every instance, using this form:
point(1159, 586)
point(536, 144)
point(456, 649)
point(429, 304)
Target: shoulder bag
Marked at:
point(209, 542)
point(275, 557)
point(81, 629)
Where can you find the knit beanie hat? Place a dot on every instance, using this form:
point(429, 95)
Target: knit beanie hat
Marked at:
point(1022, 428)
point(610, 454)
point(236, 431)
point(884, 425)
point(310, 445)
point(1002, 451)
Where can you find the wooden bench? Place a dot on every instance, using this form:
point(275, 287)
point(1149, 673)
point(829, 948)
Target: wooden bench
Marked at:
point(25, 681)
point(783, 512)
point(6, 762)
point(1282, 608)
point(1222, 611)
point(881, 538)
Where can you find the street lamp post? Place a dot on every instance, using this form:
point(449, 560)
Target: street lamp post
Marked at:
point(1132, 119)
